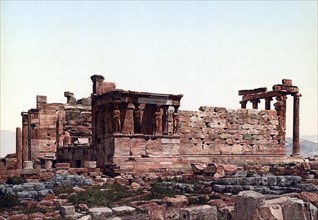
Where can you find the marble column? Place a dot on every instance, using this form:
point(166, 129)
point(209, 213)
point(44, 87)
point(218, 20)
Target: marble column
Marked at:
point(19, 148)
point(25, 134)
point(296, 145)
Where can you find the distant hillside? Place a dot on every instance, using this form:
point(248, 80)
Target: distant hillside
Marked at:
point(7, 142)
point(312, 138)
point(307, 148)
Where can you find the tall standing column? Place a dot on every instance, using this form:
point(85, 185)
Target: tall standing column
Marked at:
point(25, 134)
point(19, 148)
point(296, 145)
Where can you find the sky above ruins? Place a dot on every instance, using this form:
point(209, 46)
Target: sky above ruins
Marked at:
point(206, 50)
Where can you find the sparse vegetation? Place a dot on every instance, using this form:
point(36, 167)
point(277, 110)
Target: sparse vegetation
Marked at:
point(107, 195)
point(34, 209)
point(63, 192)
point(15, 180)
point(158, 192)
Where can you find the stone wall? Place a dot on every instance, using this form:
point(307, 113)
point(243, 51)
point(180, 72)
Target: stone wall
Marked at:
point(204, 136)
point(208, 135)
point(235, 132)
point(52, 125)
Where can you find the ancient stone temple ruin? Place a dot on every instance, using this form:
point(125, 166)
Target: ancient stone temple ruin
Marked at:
point(129, 131)
point(52, 125)
point(146, 132)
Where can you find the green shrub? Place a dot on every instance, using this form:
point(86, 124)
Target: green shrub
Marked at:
point(15, 180)
point(103, 196)
point(158, 192)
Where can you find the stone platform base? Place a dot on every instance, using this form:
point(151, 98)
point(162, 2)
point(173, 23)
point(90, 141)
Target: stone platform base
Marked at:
point(183, 163)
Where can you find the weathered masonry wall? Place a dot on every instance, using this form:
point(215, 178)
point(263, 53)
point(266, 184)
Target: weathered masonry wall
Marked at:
point(235, 132)
point(52, 125)
point(208, 135)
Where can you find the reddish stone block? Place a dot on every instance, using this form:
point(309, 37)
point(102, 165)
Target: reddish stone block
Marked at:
point(62, 165)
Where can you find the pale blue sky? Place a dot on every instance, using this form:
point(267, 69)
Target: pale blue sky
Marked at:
point(206, 50)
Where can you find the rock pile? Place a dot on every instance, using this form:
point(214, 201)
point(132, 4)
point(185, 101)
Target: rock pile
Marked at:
point(38, 190)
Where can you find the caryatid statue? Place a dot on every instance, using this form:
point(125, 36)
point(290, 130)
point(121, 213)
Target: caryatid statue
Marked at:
point(158, 120)
point(175, 122)
point(116, 117)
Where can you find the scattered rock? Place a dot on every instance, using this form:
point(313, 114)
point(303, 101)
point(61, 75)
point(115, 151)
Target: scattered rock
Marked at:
point(273, 212)
point(199, 212)
point(139, 181)
point(100, 213)
point(297, 209)
point(121, 181)
point(18, 217)
point(78, 189)
point(219, 203)
point(178, 201)
point(120, 210)
point(85, 217)
point(245, 204)
point(135, 186)
point(67, 210)
point(156, 212)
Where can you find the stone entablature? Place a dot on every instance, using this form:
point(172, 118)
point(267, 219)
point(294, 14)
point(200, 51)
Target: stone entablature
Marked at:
point(280, 92)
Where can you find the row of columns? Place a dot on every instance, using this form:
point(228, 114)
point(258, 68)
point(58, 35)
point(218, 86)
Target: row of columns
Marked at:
point(160, 125)
point(256, 101)
point(113, 121)
point(280, 107)
point(22, 148)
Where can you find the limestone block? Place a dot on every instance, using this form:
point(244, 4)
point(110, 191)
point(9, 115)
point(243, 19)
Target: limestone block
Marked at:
point(297, 209)
point(236, 149)
point(206, 212)
point(100, 213)
point(178, 201)
point(121, 181)
point(120, 210)
point(273, 212)
point(156, 212)
point(62, 165)
point(245, 204)
point(67, 210)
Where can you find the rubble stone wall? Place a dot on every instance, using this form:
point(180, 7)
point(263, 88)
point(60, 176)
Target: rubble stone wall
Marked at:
point(208, 135)
point(220, 131)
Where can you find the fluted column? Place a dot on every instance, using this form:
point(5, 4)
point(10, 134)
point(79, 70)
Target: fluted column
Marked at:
point(296, 145)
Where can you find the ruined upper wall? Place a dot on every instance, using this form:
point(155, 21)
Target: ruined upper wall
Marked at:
point(225, 131)
point(51, 125)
